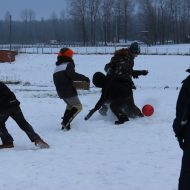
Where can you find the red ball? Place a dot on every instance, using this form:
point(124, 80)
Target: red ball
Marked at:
point(148, 110)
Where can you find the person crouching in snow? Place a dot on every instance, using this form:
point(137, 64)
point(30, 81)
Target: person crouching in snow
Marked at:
point(10, 107)
point(115, 93)
point(63, 78)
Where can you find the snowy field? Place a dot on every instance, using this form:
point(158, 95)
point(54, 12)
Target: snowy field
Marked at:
point(141, 154)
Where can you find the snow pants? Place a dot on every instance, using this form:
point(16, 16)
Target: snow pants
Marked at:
point(17, 115)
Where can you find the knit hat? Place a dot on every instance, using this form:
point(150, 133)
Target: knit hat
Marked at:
point(99, 79)
point(67, 52)
point(135, 48)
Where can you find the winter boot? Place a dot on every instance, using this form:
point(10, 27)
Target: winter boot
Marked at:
point(41, 144)
point(66, 127)
point(69, 117)
point(65, 118)
point(122, 119)
point(7, 145)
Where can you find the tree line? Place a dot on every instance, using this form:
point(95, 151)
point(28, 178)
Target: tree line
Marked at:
point(99, 22)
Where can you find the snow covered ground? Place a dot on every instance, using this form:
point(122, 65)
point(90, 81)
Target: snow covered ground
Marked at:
point(141, 154)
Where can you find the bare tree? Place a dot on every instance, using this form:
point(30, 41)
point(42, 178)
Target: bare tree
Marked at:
point(28, 16)
point(79, 12)
point(93, 8)
point(161, 20)
point(126, 12)
point(117, 9)
point(107, 12)
point(174, 19)
point(149, 18)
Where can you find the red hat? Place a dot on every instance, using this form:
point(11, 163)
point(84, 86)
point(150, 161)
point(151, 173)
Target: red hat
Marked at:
point(67, 52)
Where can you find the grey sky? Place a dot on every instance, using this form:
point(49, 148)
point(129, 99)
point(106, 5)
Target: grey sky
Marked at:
point(41, 8)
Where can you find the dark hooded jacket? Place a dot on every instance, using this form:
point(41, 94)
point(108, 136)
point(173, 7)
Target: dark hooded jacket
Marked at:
point(182, 119)
point(64, 75)
point(121, 65)
point(8, 99)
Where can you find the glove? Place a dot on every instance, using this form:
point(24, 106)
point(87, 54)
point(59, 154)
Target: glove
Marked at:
point(144, 72)
point(87, 80)
point(137, 73)
point(135, 76)
point(181, 143)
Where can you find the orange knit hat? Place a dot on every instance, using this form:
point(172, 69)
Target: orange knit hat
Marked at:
point(67, 52)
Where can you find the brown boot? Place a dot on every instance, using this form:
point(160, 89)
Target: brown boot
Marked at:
point(41, 144)
point(7, 145)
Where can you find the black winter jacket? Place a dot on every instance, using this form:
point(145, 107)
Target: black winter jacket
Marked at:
point(64, 75)
point(121, 66)
point(7, 99)
point(182, 119)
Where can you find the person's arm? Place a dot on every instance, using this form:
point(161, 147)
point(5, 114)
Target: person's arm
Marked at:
point(7, 97)
point(137, 73)
point(109, 67)
point(186, 115)
point(70, 72)
point(100, 103)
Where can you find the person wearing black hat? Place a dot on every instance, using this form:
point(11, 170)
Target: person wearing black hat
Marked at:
point(121, 67)
point(122, 63)
point(181, 127)
point(10, 107)
point(63, 77)
point(115, 93)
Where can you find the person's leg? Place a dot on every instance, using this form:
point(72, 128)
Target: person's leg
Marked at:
point(104, 109)
point(132, 110)
point(117, 107)
point(74, 106)
point(66, 114)
point(185, 170)
point(18, 116)
point(7, 140)
point(185, 166)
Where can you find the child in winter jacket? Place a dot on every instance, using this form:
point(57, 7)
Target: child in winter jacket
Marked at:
point(121, 68)
point(114, 92)
point(63, 78)
point(10, 106)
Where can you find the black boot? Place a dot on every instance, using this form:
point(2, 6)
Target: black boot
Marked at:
point(121, 119)
point(69, 117)
point(64, 118)
point(7, 145)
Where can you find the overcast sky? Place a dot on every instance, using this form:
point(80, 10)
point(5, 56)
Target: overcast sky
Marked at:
point(41, 8)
